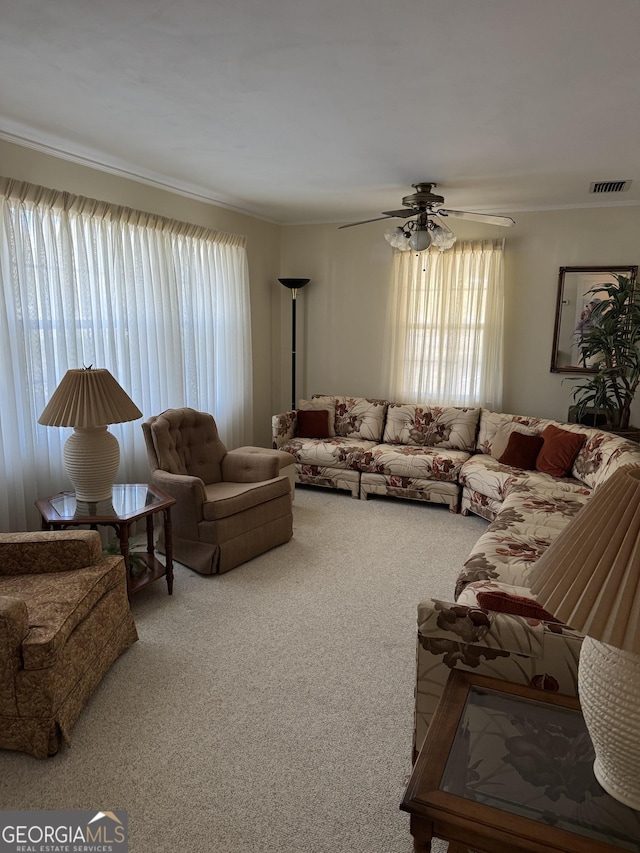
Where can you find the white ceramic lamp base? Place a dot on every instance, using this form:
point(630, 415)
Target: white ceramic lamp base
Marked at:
point(609, 687)
point(91, 460)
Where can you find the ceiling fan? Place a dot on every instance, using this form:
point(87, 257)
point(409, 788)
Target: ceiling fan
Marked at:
point(422, 229)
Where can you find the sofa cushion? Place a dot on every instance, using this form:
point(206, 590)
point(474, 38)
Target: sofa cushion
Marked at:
point(518, 605)
point(522, 451)
point(431, 426)
point(359, 417)
point(504, 598)
point(490, 423)
point(26, 553)
point(503, 434)
point(601, 455)
point(531, 518)
point(312, 423)
point(428, 463)
point(485, 475)
point(469, 595)
point(187, 442)
point(225, 499)
point(559, 450)
point(57, 602)
point(334, 452)
point(321, 402)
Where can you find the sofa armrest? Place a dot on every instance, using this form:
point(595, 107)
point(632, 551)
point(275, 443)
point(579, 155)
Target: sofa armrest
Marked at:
point(48, 551)
point(189, 495)
point(14, 626)
point(283, 428)
point(511, 648)
point(240, 467)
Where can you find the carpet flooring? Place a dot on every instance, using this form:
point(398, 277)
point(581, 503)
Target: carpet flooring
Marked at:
point(268, 709)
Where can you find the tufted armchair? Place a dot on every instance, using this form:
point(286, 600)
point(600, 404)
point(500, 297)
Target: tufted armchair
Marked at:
point(230, 506)
point(64, 619)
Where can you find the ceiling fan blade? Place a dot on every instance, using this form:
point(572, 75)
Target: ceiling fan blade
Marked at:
point(364, 222)
point(477, 217)
point(403, 213)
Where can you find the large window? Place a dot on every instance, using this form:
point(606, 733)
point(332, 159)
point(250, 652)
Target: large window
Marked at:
point(161, 304)
point(446, 326)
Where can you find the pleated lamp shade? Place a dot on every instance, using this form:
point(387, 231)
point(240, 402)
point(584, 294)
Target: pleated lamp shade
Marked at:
point(89, 397)
point(590, 579)
point(88, 400)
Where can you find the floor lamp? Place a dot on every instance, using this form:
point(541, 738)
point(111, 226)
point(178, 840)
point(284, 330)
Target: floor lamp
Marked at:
point(294, 284)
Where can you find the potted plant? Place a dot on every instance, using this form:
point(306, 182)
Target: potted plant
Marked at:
point(610, 344)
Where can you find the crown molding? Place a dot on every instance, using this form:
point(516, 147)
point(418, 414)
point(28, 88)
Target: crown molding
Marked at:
point(142, 176)
point(161, 182)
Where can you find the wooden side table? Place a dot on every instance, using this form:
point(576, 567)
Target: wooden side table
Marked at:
point(130, 502)
point(508, 768)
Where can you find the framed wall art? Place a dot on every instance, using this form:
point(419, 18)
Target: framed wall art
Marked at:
point(579, 289)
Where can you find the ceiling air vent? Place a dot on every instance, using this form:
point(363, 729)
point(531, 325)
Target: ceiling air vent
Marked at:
point(609, 186)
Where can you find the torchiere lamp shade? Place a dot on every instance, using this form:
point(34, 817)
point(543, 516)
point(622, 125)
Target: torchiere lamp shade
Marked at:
point(294, 283)
point(88, 400)
point(589, 578)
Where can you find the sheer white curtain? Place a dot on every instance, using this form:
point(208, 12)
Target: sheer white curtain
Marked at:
point(163, 305)
point(445, 326)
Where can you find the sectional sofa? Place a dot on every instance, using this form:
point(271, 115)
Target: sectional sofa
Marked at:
point(376, 447)
point(459, 457)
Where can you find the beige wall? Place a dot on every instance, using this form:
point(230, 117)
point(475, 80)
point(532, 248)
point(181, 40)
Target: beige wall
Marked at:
point(342, 311)
point(263, 245)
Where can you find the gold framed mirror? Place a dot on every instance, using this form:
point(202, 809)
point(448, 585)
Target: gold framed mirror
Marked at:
point(578, 290)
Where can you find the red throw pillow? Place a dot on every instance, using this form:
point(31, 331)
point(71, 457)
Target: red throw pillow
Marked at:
point(312, 423)
point(559, 450)
point(522, 451)
point(518, 605)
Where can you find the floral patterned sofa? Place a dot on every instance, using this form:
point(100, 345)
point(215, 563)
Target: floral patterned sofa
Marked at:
point(452, 456)
point(377, 447)
point(527, 510)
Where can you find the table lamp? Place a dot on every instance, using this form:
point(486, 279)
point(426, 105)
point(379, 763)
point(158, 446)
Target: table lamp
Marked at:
point(589, 578)
point(88, 400)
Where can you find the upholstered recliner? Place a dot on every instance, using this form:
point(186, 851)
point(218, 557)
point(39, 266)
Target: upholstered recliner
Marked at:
point(230, 506)
point(64, 619)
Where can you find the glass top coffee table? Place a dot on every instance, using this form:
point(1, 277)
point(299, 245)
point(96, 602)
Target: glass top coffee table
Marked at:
point(129, 503)
point(507, 768)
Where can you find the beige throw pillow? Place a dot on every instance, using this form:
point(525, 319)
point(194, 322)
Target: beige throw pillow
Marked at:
point(501, 438)
point(327, 404)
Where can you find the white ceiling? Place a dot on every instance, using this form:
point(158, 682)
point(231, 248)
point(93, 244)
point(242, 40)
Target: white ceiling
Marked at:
point(328, 110)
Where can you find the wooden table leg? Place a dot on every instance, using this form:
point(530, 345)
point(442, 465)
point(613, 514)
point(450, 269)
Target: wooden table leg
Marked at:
point(421, 830)
point(123, 536)
point(168, 548)
point(150, 543)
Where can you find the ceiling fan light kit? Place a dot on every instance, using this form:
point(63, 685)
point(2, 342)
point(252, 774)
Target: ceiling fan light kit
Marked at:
point(421, 232)
point(420, 240)
point(442, 237)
